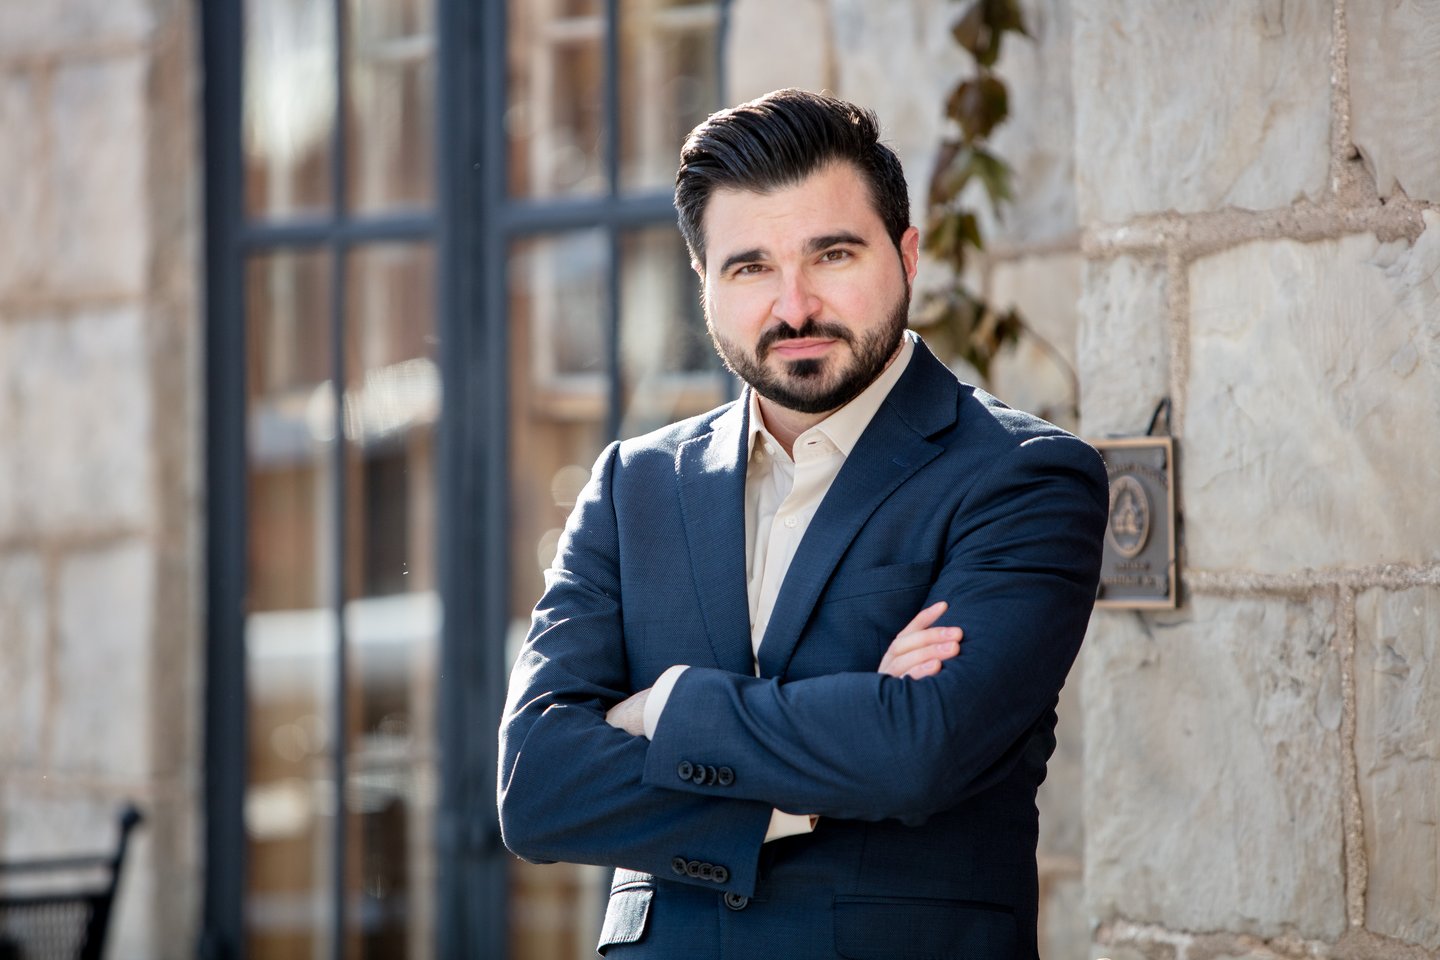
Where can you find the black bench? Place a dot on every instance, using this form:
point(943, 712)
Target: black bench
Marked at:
point(58, 908)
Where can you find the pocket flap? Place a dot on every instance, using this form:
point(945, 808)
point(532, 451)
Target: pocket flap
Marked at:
point(626, 913)
point(896, 928)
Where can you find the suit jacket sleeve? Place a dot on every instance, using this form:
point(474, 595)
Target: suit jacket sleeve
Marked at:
point(570, 786)
point(1020, 572)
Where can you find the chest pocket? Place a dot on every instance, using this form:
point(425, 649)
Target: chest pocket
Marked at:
point(868, 581)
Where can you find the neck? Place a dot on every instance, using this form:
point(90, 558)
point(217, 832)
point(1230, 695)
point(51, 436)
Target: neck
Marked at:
point(785, 425)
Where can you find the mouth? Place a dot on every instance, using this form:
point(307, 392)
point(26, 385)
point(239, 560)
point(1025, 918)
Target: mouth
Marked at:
point(802, 348)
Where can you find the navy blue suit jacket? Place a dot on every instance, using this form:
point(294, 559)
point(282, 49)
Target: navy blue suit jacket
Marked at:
point(925, 788)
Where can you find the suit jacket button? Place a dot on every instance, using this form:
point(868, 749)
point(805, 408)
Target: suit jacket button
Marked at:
point(711, 774)
point(720, 874)
point(692, 869)
point(736, 901)
point(698, 774)
point(678, 865)
point(686, 769)
point(707, 871)
point(725, 777)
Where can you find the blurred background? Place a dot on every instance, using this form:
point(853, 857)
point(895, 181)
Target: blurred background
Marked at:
point(314, 315)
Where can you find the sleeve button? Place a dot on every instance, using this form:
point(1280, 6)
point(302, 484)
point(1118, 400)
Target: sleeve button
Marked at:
point(678, 865)
point(686, 769)
point(725, 776)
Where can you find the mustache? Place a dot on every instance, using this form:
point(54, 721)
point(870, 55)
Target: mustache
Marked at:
point(812, 328)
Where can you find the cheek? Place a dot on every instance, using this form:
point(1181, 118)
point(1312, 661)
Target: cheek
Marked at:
point(737, 316)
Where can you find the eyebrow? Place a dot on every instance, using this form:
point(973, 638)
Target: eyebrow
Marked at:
point(813, 245)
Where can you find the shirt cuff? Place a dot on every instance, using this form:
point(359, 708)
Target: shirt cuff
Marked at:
point(659, 696)
point(784, 824)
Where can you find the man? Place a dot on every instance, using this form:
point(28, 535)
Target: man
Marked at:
point(713, 697)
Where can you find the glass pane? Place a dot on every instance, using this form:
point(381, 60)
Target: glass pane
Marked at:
point(669, 369)
point(288, 106)
point(392, 611)
point(558, 406)
point(553, 116)
point(667, 82)
point(290, 630)
point(390, 59)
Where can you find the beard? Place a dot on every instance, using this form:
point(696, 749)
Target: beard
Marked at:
point(815, 385)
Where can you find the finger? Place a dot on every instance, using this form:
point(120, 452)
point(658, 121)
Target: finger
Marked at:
point(927, 669)
point(917, 640)
point(901, 664)
point(924, 618)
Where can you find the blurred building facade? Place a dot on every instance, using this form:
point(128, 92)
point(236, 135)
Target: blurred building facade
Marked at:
point(313, 315)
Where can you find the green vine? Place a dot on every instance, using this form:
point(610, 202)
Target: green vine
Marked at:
point(956, 319)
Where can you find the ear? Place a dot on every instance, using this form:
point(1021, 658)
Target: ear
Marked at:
point(910, 252)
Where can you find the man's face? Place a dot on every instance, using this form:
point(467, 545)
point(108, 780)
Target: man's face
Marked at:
point(805, 294)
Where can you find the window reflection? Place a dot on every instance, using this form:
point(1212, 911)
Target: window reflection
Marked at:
point(390, 59)
point(669, 370)
point(392, 610)
point(553, 117)
point(290, 636)
point(289, 106)
point(668, 82)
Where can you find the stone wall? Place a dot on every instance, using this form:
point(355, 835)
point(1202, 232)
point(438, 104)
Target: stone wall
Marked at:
point(100, 568)
point(1256, 188)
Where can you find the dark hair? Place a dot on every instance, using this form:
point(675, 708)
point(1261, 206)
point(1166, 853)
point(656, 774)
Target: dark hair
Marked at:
point(779, 140)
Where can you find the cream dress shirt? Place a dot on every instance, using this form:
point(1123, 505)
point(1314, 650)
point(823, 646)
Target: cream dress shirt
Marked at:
point(781, 496)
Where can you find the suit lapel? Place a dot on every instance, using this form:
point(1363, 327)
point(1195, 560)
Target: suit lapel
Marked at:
point(893, 447)
point(711, 473)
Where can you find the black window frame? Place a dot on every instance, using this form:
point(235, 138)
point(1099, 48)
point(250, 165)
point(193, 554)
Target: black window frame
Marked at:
point(473, 223)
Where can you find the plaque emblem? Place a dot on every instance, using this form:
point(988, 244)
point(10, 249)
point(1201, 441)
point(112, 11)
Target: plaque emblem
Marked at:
point(1130, 513)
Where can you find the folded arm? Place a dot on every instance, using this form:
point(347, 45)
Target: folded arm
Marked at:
point(1020, 571)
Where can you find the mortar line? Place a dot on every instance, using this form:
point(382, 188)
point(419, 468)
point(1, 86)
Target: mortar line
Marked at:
point(1240, 583)
point(1353, 846)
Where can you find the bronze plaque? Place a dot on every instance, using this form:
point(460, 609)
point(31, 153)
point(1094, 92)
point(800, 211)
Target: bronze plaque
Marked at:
point(1138, 570)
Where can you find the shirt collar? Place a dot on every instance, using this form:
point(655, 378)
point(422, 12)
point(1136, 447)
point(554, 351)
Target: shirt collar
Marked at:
point(844, 426)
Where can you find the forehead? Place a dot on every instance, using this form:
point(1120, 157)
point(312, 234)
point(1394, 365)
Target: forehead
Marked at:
point(833, 199)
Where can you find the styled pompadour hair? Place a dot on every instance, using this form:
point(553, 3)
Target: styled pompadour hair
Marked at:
point(777, 141)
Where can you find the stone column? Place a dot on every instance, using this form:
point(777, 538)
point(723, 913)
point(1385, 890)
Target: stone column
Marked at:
point(1256, 187)
point(99, 410)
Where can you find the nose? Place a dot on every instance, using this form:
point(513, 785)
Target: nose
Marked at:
point(795, 302)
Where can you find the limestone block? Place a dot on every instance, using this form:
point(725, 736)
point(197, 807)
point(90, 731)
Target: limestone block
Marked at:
point(1314, 395)
point(1123, 345)
point(1193, 106)
point(1392, 52)
point(1397, 747)
point(1038, 373)
point(1212, 768)
point(42, 819)
point(1038, 140)
point(30, 28)
point(23, 628)
point(76, 414)
point(22, 166)
point(1064, 930)
point(1062, 827)
point(97, 182)
point(899, 59)
point(765, 52)
point(104, 704)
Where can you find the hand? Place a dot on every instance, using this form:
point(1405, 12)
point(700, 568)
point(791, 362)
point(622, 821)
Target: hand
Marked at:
point(629, 714)
point(919, 649)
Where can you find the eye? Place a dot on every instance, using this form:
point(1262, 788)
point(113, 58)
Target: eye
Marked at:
point(836, 255)
point(748, 270)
